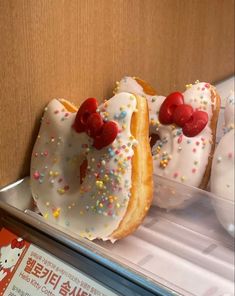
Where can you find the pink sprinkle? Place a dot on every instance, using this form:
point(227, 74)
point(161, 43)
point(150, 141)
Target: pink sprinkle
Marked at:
point(197, 143)
point(203, 139)
point(230, 155)
point(129, 157)
point(45, 153)
point(36, 175)
point(194, 150)
point(123, 146)
point(180, 138)
point(56, 111)
point(60, 180)
point(194, 170)
point(207, 85)
point(175, 175)
point(117, 151)
point(66, 114)
point(110, 213)
point(48, 122)
point(203, 88)
point(110, 206)
point(36, 154)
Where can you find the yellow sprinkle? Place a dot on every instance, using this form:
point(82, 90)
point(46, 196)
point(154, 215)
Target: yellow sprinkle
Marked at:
point(152, 122)
point(56, 213)
point(81, 213)
point(61, 191)
point(124, 126)
point(106, 178)
point(189, 85)
point(56, 174)
point(46, 216)
point(47, 203)
point(118, 205)
point(101, 205)
point(99, 184)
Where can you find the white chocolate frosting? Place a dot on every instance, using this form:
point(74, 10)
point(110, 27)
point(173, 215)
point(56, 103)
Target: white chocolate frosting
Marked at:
point(94, 208)
point(222, 174)
point(175, 155)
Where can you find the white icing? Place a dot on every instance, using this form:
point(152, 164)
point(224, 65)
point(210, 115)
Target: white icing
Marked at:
point(95, 208)
point(222, 174)
point(186, 158)
point(229, 111)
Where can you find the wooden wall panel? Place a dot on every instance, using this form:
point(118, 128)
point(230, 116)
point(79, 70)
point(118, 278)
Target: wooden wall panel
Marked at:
point(76, 49)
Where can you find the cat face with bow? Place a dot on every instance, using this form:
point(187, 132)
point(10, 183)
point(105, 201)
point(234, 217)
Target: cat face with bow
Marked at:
point(10, 254)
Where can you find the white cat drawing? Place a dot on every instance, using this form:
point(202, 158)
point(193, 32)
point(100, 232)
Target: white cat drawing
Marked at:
point(9, 256)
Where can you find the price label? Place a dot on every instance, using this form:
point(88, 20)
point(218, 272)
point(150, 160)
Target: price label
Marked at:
point(27, 270)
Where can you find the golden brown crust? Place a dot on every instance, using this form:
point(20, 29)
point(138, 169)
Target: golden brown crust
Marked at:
point(216, 101)
point(68, 106)
point(147, 88)
point(142, 173)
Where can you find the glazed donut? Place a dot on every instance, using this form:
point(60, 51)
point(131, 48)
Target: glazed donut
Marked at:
point(185, 127)
point(222, 173)
point(91, 169)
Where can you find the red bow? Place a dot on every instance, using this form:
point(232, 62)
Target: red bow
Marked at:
point(173, 110)
point(89, 121)
point(16, 244)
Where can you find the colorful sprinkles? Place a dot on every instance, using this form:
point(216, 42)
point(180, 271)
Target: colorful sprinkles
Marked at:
point(105, 190)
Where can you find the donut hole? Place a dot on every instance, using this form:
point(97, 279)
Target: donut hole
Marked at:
point(153, 139)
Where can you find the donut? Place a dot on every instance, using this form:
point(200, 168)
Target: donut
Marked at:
point(222, 172)
point(182, 128)
point(91, 168)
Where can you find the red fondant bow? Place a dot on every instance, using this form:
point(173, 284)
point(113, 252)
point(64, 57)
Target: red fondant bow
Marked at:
point(16, 244)
point(173, 110)
point(89, 121)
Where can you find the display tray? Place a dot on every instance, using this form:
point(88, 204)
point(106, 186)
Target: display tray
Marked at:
point(184, 251)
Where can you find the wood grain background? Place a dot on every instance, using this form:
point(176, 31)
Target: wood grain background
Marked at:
point(76, 49)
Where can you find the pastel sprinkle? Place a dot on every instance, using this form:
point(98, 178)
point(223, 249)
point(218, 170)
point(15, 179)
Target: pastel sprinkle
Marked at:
point(56, 213)
point(219, 158)
point(36, 175)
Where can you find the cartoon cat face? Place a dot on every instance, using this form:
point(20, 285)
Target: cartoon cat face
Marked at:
point(9, 256)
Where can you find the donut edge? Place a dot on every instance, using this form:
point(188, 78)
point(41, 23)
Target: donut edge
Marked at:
point(142, 174)
point(213, 125)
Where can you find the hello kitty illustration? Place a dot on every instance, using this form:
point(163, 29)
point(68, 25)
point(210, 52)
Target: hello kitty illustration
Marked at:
point(9, 256)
